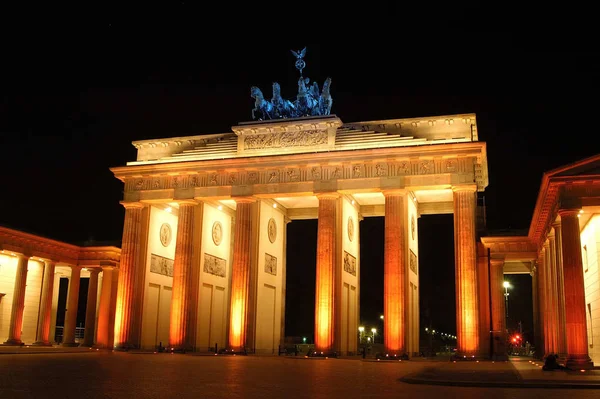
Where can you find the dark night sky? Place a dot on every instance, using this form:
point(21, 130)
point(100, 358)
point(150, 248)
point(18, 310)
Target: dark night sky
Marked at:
point(72, 102)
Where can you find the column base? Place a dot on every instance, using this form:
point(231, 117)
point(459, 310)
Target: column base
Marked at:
point(42, 343)
point(457, 357)
point(391, 356)
point(88, 345)
point(124, 347)
point(326, 354)
point(499, 358)
point(579, 363)
point(179, 349)
point(13, 342)
point(233, 351)
point(69, 344)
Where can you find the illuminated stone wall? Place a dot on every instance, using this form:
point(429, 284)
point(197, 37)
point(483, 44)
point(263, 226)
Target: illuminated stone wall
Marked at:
point(213, 289)
point(412, 289)
point(269, 278)
point(158, 287)
point(590, 242)
point(349, 255)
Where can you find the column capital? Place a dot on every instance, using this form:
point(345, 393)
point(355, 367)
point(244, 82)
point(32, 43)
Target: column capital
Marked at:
point(73, 267)
point(497, 261)
point(132, 205)
point(395, 191)
point(186, 202)
point(556, 224)
point(108, 267)
point(465, 187)
point(94, 269)
point(568, 212)
point(328, 195)
point(243, 200)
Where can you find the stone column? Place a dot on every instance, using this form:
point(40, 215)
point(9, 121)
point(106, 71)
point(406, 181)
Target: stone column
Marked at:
point(467, 311)
point(240, 278)
point(325, 279)
point(562, 331)
point(577, 344)
point(18, 304)
point(104, 330)
point(536, 307)
point(498, 309)
point(183, 308)
point(90, 310)
point(72, 301)
point(543, 301)
point(43, 331)
point(394, 273)
point(548, 298)
point(130, 292)
point(553, 289)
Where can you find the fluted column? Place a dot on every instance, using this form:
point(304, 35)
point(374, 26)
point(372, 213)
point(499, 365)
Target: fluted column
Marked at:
point(537, 336)
point(554, 289)
point(18, 304)
point(548, 293)
point(467, 323)
point(72, 301)
point(394, 273)
point(130, 291)
point(182, 302)
point(104, 328)
point(498, 308)
point(577, 343)
point(543, 302)
point(240, 278)
point(43, 331)
point(560, 293)
point(90, 310)
point(325, 279)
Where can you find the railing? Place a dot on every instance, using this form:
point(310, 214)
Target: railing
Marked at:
point(59, 333)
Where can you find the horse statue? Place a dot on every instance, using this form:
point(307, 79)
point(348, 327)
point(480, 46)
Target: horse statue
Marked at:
point(325, 100)
point(282, 108)
point(305, 103)
point(260, 104)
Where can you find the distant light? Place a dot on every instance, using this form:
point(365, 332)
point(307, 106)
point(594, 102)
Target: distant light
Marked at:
point(304, 339)
point(220, 207)
point(361, 329)
point(274, 205)
point(581, 211)
point(381, 317)
point(506, 284)
point(352, 202)
point(168, 209)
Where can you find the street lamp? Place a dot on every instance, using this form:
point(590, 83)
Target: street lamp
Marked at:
point(374, 331)
point(361, 330)
point(506, 285)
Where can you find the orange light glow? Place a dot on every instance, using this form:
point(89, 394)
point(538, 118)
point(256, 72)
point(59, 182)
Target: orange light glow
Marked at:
point(237, 321)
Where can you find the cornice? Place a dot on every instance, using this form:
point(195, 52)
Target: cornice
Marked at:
point(45, 248)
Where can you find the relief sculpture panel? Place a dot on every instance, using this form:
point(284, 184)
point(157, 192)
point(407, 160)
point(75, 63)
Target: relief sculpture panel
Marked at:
point(286, 139)
point(349, 263)
point(161, 265)
point(214, 265)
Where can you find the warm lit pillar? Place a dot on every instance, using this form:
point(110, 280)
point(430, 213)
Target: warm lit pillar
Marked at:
point(45, 317)
point(90, 310)
point(577, 345)
point(548, 293)
point(543, 302)
point(537, 336)
point(498, 308)
point(104, 310)
point(182, 303)
point(130, 292)
point(325, 279)
point(240, 277)
point(72, 301)
point(560, 293)
point(467, 311)
point(394, 273)
point(552, 273)
point(18, 304)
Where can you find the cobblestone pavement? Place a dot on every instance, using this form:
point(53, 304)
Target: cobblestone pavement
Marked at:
point(135, 375)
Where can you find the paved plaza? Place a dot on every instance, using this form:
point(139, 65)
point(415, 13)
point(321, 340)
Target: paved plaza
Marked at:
point(102, 374)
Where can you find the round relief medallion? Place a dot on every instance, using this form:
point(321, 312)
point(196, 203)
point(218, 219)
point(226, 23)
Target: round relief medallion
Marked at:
point(217, 233)
point(350, 228)
point(412, 226)
point(272, 230)
point(165, 234)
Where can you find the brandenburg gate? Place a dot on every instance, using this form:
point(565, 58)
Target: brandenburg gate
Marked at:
point(203, 252)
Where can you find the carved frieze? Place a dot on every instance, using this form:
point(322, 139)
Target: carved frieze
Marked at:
point(412, 262)
point(307, 138)
point(349, 263)
point(161, 265)
point(214, 265)
point(270, 264)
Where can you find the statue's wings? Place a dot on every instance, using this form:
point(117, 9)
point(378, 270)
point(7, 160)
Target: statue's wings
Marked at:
point(299, 54)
